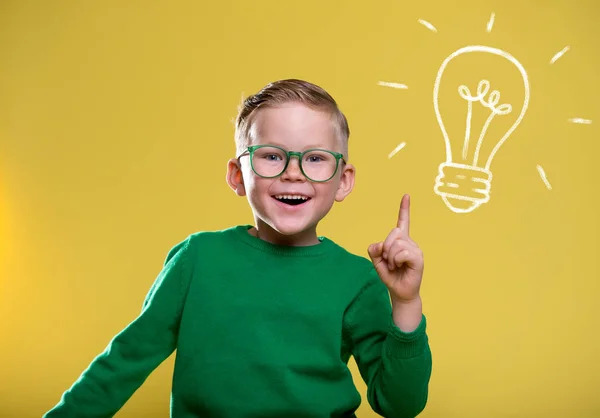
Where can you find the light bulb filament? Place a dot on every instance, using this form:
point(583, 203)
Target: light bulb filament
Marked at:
point(482, 89)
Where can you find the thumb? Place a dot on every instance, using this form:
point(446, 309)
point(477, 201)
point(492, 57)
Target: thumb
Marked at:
point(376, 252)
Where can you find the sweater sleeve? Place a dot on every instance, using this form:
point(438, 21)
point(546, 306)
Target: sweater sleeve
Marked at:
point(395, 365)
point(115, 374)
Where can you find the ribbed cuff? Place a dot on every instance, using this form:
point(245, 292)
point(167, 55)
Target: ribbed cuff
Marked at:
point(406, 344)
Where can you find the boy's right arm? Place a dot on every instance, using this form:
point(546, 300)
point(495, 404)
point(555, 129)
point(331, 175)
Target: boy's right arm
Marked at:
point(114, 375)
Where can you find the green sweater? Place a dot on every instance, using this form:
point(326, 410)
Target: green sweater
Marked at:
point(261, 330)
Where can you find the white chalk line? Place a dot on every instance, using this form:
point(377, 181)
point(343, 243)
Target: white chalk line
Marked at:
point(543, 176)
point(491, 22)
point(395, 151)
point(428, 25)
point(394, 85)
point(559, 54)
point(580, 120)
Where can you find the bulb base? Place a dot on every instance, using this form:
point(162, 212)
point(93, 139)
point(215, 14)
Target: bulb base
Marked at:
point(463, 188)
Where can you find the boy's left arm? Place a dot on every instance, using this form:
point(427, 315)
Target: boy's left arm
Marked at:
point(393, 356)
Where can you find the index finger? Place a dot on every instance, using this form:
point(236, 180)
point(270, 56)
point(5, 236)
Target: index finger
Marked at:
point(404, 215)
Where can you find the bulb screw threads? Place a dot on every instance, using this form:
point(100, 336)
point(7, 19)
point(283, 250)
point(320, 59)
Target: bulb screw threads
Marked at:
point(463, 187)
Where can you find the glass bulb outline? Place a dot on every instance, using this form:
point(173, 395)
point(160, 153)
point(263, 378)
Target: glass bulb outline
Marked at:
point(436, 87)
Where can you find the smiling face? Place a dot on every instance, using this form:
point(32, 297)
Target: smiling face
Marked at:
point(294, 127)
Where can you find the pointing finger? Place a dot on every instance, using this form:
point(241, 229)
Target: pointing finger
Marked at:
point(404, 215)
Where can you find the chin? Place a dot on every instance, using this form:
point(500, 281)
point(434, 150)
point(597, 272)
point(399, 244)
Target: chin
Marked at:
point(289, 227)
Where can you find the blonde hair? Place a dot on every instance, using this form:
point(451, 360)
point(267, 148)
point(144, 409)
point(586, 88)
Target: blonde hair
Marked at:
point(288, 91)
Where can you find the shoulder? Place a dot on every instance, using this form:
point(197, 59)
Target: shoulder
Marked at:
point(357, 268)
point(196, 241)
point(352, 258)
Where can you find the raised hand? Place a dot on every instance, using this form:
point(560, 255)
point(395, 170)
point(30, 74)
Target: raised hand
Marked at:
point(398, 260)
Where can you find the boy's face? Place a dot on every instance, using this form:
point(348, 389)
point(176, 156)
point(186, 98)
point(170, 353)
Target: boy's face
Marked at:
point(293, 127)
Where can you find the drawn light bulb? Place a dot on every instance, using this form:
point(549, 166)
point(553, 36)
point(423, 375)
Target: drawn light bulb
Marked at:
point(464, 183)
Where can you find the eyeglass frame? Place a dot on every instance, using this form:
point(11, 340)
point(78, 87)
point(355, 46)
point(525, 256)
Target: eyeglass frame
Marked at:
point(289, 154)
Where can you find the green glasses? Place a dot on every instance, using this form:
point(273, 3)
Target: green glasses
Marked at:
point(270, 161)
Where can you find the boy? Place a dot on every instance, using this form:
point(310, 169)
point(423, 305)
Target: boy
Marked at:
point(265, 318)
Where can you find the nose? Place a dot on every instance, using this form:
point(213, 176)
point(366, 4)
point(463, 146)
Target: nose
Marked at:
point(293, 172)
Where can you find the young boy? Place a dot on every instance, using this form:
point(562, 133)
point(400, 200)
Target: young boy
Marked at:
point(265, 317)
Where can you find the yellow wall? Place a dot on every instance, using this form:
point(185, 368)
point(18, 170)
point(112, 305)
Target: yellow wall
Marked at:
point(115, 128)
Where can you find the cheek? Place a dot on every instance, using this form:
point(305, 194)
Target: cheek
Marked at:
point(327, 191)
point(249, 179)
point(257, 188)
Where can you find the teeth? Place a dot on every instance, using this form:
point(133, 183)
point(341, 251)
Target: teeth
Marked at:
point(289, 196)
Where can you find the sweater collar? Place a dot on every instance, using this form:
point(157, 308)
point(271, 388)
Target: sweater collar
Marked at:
point(325, 244)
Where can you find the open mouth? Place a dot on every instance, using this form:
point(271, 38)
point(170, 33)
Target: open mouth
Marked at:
point(291, 200)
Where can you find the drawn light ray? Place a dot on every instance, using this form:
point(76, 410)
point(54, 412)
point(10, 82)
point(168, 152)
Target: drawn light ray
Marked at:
point(428, 25)
point(543, 176)
point(491, 22)
point(580, 120)
point(393, 85)
point(559, 54)
point(395, 151)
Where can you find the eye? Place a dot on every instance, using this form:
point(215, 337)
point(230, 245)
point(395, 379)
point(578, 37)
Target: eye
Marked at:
point(316, 157)
point(272, 157)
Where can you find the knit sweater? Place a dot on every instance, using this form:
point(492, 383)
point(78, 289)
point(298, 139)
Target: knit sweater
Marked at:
point(261, 330)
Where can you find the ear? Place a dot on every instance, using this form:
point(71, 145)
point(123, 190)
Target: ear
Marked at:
point(234, 177)
point(346, 182)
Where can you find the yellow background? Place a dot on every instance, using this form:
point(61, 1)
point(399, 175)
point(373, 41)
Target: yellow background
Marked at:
point(115, 129)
